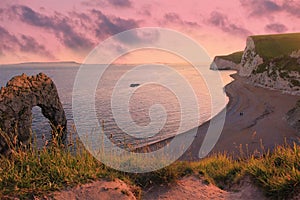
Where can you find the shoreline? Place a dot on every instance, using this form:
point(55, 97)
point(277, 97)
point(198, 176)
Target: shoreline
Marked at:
point(253, 132)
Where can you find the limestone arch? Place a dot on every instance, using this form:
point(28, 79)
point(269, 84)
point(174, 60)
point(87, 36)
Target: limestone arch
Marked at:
point(18, 98)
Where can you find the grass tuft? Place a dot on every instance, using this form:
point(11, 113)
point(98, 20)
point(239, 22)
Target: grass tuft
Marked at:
point(278, 173)
point(35, 172)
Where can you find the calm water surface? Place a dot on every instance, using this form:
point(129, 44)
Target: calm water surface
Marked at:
point(144, 97)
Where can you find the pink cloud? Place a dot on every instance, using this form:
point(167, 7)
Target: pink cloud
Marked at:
point(69, 30)
point(11, 43)
point(276, 27)
point(221, 21)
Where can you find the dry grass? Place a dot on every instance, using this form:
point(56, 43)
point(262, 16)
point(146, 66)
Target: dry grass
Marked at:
point(34, 171)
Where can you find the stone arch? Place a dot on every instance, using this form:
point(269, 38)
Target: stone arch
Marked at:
point(18, 98)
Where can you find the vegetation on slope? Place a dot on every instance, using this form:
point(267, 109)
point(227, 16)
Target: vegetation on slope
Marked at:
point(271, 46)
point(282, 65)
point(234, 57)
point(275, 51)
point(38, 171)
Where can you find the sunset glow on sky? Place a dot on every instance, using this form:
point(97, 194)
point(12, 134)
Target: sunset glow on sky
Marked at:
point(59, 30)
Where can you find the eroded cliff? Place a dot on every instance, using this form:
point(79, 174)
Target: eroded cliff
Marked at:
point(227, 62)
point(273, 61)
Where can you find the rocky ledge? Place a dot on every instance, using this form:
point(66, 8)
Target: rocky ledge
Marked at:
point(273, 61)
point(269, 61)
point(18, 98)
point(227, 62)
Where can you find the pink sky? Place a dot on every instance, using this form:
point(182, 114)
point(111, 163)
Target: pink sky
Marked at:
point(56, 30)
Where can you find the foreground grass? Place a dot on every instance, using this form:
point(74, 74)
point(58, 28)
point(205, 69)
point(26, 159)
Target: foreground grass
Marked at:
point(36, 172)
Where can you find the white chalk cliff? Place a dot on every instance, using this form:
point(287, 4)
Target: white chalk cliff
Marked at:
point(270, 74)
point(250, 59)
point(223, 64)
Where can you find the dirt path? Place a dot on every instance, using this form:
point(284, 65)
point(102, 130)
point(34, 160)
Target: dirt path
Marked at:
point(101, 190)
point(193, 188)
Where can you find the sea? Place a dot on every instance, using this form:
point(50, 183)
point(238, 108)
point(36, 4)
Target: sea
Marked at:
point(139, 110)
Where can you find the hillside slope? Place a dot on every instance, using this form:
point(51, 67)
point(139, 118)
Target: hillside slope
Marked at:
point(273, 61)
point(227, 62)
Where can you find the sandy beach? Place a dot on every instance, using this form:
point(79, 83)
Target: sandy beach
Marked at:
point(261, 125)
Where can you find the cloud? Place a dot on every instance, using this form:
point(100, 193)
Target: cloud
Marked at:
point(61, 26)
point(174, 18)
point(120, 3)
point(31, 17)
point(27, 44)
point(139, 37)
point(8, 41)
point(292, 7)
point(107, 3)
point(1, 14)
point(218, 19)
point(266, 7)
point(260, 7)
point(221, 21)
point(110, 25)
point(145, 10)
point(82, 20)
point(276, 27)
point(69, 29)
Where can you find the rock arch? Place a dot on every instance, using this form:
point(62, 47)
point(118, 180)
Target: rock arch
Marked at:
point(18, 98)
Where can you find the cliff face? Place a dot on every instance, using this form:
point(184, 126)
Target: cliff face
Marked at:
point(222, 64)
point(273, 62)
point(250, 59)
point(17, 99)
point(227, 62)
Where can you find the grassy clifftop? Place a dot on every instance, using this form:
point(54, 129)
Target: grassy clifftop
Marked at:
point(273, 61)
point(234, 57)
point(271, 46)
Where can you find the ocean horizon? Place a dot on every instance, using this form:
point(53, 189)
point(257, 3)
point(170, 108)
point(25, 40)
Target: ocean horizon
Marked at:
point(144, 96)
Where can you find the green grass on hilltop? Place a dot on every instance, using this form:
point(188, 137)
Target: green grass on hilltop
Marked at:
point(270, 46)
point(37, 172)
point(234, 57)
point(275, 51)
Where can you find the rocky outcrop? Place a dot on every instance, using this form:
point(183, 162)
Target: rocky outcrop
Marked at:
point(293, 117)
point(295, 54)
point(277, 74)
point(223, 64)
point(286, 81)
point(18, 98)
point(250, 59)
point(227, 62)
point(273, 62)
